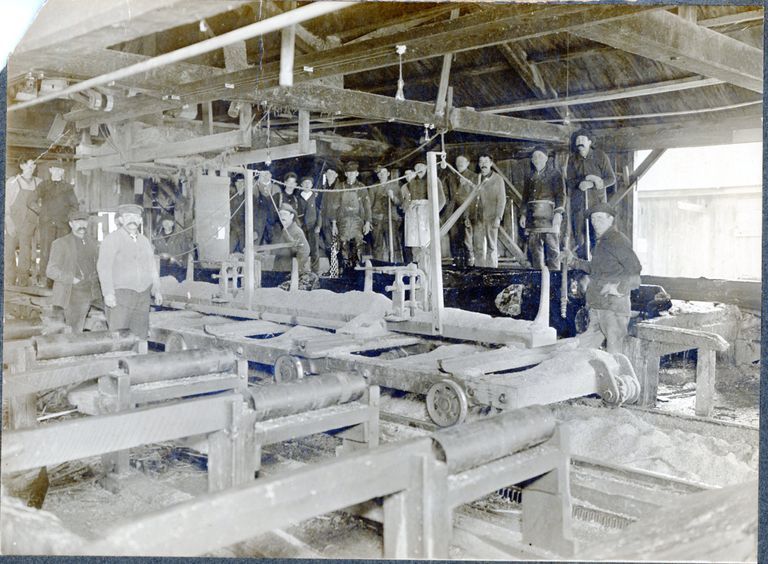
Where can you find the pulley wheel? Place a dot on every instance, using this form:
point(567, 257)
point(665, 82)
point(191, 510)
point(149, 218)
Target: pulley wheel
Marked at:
point(447, 403)
point(175, 343)
point(288, 369)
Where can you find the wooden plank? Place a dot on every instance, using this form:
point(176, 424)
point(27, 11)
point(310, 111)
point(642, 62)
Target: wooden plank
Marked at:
point(214, 521)
point(445, 74)
point(638, 173)
point(675, 85)
point(304, 424)
point(506, 358)
point(276, 153)
point(465, 33)
point(529, 73)
point(209, 143)
point(508, 471)
point(644, 358)
point(740, 293)
point(91, 436)
point(42, 378)
point(690, 338)
point(671, 40)
point(109, 23)
point(705, 382)
point(732, 19)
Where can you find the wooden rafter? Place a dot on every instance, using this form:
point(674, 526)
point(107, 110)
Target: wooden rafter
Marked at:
point(674, 41)
point(469, 32)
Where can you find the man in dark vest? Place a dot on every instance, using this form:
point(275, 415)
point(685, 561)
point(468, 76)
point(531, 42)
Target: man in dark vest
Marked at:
point(73, 270)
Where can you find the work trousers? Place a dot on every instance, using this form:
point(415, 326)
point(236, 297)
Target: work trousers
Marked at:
point(77, 309)
point(380, 234)
point(314, 248)
point(49, 232)
point(541, 243)
point(131, 312)
point(579, 219)
point(606, 326)
point(461, 244)
point(24, 241)
point(351, 253)
point(485, 237)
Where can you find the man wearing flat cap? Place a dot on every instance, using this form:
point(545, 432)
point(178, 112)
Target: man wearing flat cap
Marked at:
point(73, 270)
point(385, 202)
point(127, 273)
point(353, 217)
point(588, 176)
point(293, 234)
point(310, 212)
point(614, 272)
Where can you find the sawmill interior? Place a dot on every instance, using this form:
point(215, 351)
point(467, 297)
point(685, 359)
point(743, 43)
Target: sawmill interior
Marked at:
point(367, 280)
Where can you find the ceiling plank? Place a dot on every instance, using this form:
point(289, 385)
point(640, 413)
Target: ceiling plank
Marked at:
point(669, 39)
point(731, 19)
point(528, 73)
point(491, 27)
point(675, 85)
point(64, 23)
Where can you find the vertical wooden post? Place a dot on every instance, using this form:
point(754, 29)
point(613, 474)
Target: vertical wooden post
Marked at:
point(436, 274)
point(372, 426)
point(248, 275)
point(442, 90)
point(232, 459)
point(645, 359)
point(705, 382)
point(294, 274)
point(287, 50)
point(304, 131)
point(207, 113)
point(416, 522)
point(547, 508)
point(368, 280)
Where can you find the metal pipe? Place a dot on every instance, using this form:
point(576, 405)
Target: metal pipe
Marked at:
point(473, 444)
point(80, 344)
point(263, 27)
point(311, 393)
point(170, 366)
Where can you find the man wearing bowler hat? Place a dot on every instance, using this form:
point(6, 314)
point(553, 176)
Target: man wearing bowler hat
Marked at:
point(128, 275)
point(72, 268)
point(614, 272)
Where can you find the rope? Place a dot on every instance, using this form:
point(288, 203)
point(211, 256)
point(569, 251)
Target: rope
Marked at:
point(353, 189)
point(663, 114)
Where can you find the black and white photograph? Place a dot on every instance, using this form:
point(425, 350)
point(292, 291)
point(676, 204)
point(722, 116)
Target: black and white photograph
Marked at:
point(382, 280)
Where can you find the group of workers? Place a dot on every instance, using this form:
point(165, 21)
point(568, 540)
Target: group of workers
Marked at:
point(387, 220)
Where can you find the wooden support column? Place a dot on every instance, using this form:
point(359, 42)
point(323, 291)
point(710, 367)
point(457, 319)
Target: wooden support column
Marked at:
point(287, 51)
point(304, 144)
point(445, 74)
point(645, 359)
point(547, 508)
point(248, 278)
point(416, 523)
point(207, 111)
point(231, 456)
point(705, 382)
point(435, 256)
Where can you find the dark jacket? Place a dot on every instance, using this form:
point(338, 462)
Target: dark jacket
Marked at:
point(545, 185)
point(597, 163)
point(613, 260)
point(62, 267)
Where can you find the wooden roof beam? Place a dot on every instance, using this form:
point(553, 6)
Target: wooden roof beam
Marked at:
point(528, 73)
point(669, 39)
point(108, 23)
point(474, 31)
point(675, 85)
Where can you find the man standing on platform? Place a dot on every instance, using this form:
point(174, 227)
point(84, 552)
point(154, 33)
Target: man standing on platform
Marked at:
point(128, 275)
point(353, 218)
point(57, 202)
point(542, 212)
point(614, 272)
point(21, 209)
point(266, 224)
point(73, 270)
point(310, 210)
point(492, 201)
point(589, 174)
point(458, 190)
point(385, 217)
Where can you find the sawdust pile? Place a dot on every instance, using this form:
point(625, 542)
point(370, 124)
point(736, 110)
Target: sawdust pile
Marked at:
point(620, 436)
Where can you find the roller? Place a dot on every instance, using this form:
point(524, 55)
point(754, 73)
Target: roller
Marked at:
point(170, 366)
point(474, 444)
point(14, 330)
point(80, 344)
point(313, 392)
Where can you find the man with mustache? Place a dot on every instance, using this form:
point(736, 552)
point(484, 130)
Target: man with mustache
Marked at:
point(128, 275)
point(72, 267)
point(490, 209)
